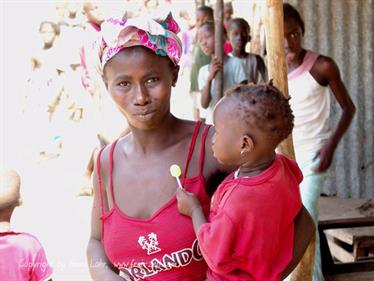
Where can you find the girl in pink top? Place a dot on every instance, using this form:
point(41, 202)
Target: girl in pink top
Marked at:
point(250, 231)
point(137, 231)
point(22, 257)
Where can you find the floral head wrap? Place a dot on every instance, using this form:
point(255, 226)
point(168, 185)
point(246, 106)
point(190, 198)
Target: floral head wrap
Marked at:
point(158, 35)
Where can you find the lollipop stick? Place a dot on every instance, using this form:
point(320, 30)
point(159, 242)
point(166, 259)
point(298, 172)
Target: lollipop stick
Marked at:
point(179, 183)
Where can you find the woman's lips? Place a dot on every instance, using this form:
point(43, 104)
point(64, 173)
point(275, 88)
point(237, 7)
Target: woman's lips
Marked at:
point(145, 114)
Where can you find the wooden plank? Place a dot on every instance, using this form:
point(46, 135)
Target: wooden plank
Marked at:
point(362, 235)
point(355, 276)
point(339, 253)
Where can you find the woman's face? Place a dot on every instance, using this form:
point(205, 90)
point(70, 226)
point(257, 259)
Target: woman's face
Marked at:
point(206, 40)
point(292, 39)
point(238, 36)
point(140, 82)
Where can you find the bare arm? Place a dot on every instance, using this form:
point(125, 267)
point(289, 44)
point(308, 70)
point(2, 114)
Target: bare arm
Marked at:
point(99, 266)
point(189, 205)
point(326, 72)
point(303, 234)
point(216, 66)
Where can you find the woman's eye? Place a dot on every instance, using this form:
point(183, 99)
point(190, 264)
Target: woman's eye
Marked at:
point(124, 84)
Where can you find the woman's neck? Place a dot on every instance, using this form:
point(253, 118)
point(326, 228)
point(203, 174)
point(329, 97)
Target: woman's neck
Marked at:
point(297, 61)
point(156, 139)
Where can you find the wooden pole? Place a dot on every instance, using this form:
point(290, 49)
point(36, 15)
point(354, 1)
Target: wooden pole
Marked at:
point(218, 49)
point(277, 69)
point(276, 58)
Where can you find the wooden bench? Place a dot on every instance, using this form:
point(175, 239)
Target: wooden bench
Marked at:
point(342, 222)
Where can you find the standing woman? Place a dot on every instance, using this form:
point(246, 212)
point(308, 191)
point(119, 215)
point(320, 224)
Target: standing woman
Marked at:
point(310, 75)
point(137, 230)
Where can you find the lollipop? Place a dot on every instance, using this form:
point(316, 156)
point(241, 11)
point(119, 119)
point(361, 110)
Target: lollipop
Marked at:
point(175, 171)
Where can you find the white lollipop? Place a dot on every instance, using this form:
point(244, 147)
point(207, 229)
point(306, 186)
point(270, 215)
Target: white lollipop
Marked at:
point(175, 171)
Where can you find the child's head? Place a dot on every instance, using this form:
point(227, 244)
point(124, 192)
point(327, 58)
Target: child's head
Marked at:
point(205, 35)
point(239, 33)
point(204, 14)
point(10, 183)
point(250, 121)
point(293, 32)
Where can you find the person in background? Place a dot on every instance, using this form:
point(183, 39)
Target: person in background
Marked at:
point(310, 77)
point(199, 59)
point(233, 70)
point(239, 34)
point(44, 91)
point(22, 257)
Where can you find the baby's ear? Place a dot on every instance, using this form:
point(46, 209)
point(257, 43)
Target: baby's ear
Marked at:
point(247, 144)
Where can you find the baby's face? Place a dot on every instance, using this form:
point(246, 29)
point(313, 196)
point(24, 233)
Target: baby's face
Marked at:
point(227, 137)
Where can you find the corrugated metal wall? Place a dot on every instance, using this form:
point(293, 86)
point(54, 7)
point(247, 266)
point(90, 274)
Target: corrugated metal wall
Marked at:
point(343, 30)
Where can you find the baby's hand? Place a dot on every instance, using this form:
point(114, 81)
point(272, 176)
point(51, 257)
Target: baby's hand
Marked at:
point(187, 202)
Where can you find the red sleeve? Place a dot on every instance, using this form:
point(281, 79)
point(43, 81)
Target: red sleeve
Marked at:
point(41, 270)
point(217, 243)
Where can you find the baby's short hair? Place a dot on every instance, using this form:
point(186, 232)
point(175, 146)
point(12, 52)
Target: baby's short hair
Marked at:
point(10, 183)
point(264, 107)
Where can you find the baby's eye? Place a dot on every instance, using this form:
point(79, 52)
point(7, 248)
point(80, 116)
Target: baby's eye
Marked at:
point(152, 80)
point(123, 84)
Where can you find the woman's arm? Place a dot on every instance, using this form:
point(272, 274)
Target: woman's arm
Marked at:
point(303, 233)
point(99, 266)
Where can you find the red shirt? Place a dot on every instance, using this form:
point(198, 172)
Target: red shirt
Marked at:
point(250, 233)
point(164, 246)
point(22, 258)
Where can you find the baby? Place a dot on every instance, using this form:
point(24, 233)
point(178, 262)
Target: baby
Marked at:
point(250, 231)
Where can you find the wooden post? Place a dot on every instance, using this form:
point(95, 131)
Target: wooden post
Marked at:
point(276, 58)
point(277, 69)
point(218, 50)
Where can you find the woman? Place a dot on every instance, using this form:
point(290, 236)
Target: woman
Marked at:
point(136, 227)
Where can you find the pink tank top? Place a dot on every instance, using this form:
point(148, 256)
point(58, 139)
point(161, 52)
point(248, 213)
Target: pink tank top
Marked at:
point(164, 246)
